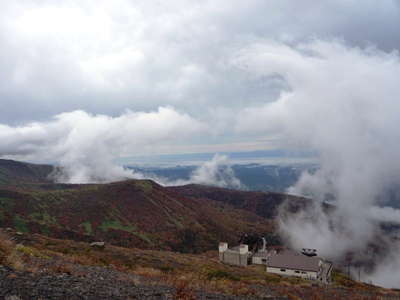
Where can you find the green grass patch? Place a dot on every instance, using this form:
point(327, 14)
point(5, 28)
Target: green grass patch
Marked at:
point(31, 251)
point(143, 237)
point(44, 198)
point(20, 224)
point(174, 220)
point(144, 185)
point(219, 274)
point(88, 227)
point(7, 203)
point(43, 218)
point(45, 229)
point(116, 224)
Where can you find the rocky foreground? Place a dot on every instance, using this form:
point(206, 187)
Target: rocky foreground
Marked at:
point(34, 266)
point(98, 283)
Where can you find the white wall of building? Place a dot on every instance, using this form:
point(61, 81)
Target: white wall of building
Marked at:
point(258, 260)
point(289, 272)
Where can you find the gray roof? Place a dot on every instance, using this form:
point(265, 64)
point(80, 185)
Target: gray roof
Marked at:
point(293, 261)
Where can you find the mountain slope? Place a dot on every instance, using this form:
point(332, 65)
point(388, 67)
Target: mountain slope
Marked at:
point(14, 172)
point(263, 204)
point(139, 213)
point(35, 266)
point(130, 213)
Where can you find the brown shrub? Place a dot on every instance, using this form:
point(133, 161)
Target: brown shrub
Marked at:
point(148, 272)
point(6, 246)
point(61, 268)
point(183, 291)
point(15, 260)
point(9, 255)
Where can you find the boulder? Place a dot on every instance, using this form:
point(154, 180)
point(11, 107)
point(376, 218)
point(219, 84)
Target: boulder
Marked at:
point(98, 245)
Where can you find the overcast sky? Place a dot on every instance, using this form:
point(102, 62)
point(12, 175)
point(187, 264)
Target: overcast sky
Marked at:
point(176, 76)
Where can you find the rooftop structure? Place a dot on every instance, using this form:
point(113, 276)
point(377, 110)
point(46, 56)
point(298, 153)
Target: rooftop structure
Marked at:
point(297, 264)
point(290, 263)
point(295, 261)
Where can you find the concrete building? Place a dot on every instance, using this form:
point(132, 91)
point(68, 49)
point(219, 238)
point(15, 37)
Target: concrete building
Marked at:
point(237, 256)
point(306, 265)
point(297, 264)
point(261, 255)
point(260, 258)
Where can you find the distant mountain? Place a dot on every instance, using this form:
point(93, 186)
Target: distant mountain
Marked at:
point(263, 204)
point(275, 178)
point(254, 177)
point(14, 172)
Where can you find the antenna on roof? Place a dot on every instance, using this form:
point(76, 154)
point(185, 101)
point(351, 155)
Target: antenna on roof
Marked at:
point(309, 252)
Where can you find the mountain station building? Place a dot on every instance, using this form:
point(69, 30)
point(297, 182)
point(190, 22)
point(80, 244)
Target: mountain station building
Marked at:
point(286, 262)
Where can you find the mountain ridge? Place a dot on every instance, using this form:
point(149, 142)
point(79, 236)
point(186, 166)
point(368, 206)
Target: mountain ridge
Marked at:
point(129, 213)
point(140, 213)
point(15, 172)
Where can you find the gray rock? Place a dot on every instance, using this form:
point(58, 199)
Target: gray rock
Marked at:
point(98, 245)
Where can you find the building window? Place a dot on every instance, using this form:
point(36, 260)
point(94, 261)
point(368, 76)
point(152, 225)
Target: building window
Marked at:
point(264, 260)
point(283, 270)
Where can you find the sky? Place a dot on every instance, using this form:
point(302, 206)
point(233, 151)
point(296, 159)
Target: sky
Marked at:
point(202, 61)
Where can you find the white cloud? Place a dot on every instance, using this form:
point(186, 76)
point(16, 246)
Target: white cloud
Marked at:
point(104, 57)
point(85, 145)
point(342, 101)
point(216, 172)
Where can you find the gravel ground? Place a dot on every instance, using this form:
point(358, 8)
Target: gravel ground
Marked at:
point(98, 283)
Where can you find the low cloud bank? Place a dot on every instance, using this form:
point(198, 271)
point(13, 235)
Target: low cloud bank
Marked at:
point(216, 172)
point(342, 102)
point(85, 145)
